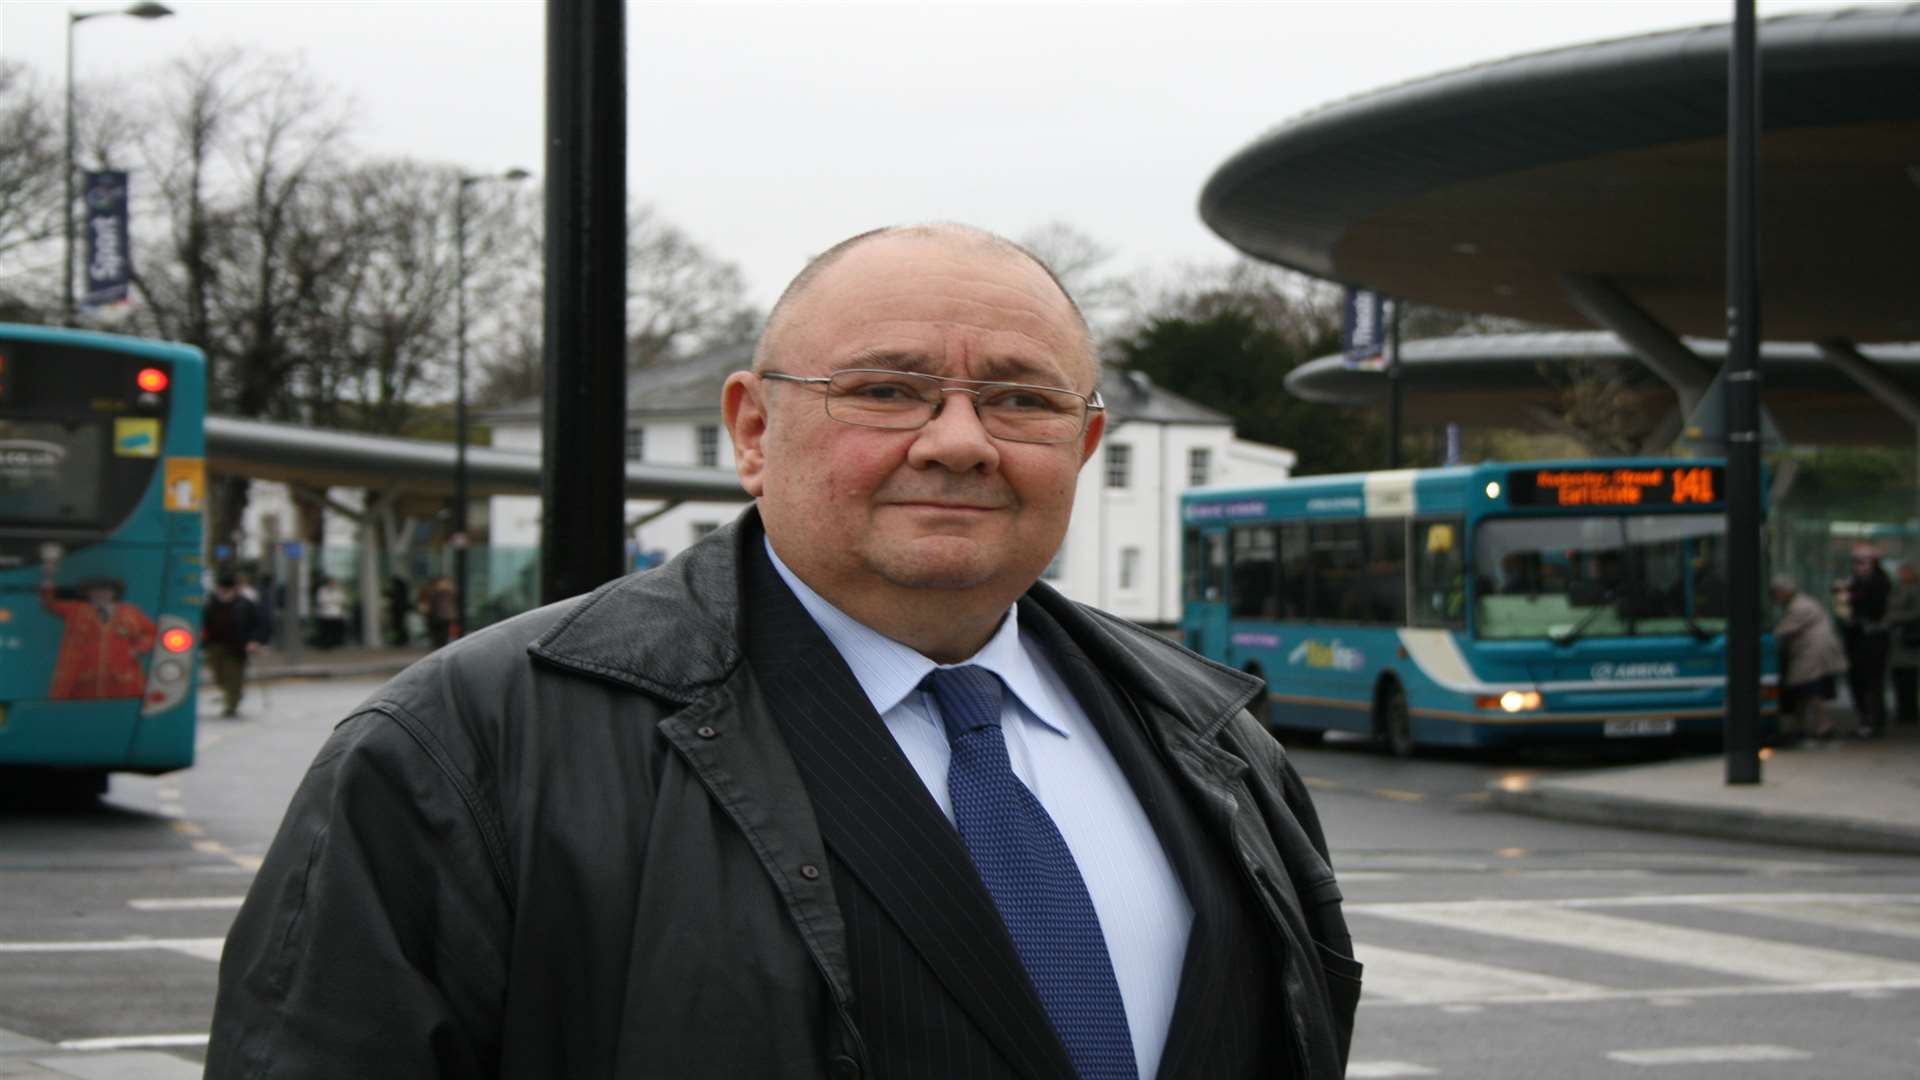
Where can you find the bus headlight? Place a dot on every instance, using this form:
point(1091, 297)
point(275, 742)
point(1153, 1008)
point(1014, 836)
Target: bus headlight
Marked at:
point(1512, 701)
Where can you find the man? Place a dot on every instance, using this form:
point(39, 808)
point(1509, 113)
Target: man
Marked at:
point(230, 632)
point(1867, 641)
point(838, 792)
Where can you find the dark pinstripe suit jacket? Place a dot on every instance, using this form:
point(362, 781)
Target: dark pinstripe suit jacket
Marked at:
point(939, 993)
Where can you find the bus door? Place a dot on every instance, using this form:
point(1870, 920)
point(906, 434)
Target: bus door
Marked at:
point(1203, 610)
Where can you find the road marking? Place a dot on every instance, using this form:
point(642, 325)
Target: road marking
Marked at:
point(200, 948)
point(187, 828)
point(134, 1042)
point(187, 903)
point(1893, 916)
point(1398, 795)
point(1708, 1055)
point(1693, 992)
point(1560, 924)
point(1385, 1070)
point(1420, 978)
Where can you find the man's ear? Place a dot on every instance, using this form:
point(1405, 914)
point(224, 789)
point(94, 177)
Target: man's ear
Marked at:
point(1090, 439)
point(744, 410)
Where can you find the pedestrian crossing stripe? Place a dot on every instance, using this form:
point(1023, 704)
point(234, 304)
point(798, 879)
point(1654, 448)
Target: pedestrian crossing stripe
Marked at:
point(1397, 976)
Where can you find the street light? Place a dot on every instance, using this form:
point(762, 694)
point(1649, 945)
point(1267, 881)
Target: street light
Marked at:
point(460, 386)
point(74, 18)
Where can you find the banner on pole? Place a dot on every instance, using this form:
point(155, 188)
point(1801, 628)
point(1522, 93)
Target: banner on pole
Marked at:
point(1364, 329)
point(109, 267)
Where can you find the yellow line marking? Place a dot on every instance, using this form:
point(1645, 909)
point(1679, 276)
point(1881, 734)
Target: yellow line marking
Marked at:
point(188, 828)
point(1397, 795)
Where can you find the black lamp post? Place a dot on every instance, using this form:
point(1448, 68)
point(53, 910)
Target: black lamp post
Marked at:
point(460, 497)
point(71, 311)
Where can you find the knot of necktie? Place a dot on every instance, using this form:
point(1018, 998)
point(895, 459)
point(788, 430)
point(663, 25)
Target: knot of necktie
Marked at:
point(969, 699)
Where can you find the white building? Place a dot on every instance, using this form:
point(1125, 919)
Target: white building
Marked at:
point(1122, 552)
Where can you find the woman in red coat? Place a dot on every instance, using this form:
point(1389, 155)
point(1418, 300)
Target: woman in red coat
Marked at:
point(101, 648)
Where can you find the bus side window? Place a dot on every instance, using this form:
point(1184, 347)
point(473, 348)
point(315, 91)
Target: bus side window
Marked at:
point(1255, 562)
point(1339, 571)
point(1439, 574)
point(1295, 577)
point(1206, 559)
point(1387, 571)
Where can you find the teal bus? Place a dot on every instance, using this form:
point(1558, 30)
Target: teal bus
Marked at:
point(1472, 606)
point(102, 484)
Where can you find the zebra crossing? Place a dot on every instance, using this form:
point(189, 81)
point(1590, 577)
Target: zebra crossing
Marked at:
point(1449, 966)
point(1485, 956)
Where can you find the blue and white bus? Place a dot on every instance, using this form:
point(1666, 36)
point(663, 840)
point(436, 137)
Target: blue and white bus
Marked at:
point(102, 485)
point(1472, 606)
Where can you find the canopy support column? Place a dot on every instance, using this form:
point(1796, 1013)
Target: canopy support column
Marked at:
point(1658, 347)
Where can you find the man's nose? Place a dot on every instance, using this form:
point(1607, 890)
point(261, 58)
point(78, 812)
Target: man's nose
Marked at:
point(955, 438)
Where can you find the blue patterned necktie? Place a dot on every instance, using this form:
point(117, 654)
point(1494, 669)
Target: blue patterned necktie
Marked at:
point(1032, 878)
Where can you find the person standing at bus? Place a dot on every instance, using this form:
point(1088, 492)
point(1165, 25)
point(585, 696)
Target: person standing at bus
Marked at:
point(1903, 656)
point(842, 790)
point(101, 644)
point(440, 604)
point(1867, 640)
point(1810, 657)
point(230, 632)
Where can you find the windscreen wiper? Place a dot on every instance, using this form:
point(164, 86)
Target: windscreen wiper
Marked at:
point(1608, 600)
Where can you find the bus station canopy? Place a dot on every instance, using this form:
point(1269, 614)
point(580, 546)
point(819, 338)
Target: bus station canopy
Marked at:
point(1485, 189)
point(1519, 379)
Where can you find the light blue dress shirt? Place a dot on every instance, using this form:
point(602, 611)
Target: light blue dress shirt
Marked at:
point(1056, 751)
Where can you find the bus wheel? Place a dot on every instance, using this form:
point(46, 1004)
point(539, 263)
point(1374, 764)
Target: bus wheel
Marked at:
point(1391, 724)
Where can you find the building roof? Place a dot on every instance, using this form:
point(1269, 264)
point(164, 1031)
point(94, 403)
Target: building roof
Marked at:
point(1478, 189)
point(1514, 380)
point(690, 387)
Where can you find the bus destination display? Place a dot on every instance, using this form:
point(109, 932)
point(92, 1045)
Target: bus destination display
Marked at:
point(1688, 485)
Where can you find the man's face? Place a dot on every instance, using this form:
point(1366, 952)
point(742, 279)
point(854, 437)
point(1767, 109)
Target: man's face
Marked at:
point(864, 514)
point(100, 597)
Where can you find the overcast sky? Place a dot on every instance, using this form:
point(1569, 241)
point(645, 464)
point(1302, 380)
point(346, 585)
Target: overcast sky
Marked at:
point(770, 131)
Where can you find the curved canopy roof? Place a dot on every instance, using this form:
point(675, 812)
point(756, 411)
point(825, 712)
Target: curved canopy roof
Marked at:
point(1478, 188)
point(1519, 380)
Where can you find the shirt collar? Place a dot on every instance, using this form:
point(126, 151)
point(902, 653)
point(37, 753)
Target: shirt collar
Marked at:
point(888, 671)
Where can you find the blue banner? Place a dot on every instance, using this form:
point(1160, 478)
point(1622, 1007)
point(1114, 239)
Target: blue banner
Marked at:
point(1364, 328)
point(109, 265)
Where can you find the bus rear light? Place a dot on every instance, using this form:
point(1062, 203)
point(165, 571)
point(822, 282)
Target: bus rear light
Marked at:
point(152, 380)
point(1512, 701)
point(177, 640)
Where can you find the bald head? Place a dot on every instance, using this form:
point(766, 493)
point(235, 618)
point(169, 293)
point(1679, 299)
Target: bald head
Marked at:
point(964, 237)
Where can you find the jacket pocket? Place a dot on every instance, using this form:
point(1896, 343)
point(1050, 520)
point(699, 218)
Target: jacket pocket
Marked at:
point(1343, 989)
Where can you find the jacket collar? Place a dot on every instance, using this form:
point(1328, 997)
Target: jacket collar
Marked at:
point(617, 632)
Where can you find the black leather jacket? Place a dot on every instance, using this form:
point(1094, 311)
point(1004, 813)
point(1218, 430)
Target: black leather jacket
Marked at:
point(574, 844)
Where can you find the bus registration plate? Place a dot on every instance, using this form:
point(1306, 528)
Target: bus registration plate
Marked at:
point(1639, 727)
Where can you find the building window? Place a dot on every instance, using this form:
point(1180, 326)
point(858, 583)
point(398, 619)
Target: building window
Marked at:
point(1119, 465)
point(709, 444)
point(1199, 466)
point(1129, 569)
point(636, 444)
point(702, 528)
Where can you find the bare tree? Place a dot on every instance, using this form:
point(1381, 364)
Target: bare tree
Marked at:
point(31, 192)
point(1079, 261)
point(679, 296)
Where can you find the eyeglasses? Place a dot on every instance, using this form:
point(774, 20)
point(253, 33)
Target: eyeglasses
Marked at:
point(905, 400)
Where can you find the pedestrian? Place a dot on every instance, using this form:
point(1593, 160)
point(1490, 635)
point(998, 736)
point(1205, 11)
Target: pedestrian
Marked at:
point(1810, 657)
point(841, 790)
point(231, 632)
point(1903, 633)
point(440, 603)
point(330, 613)
point(397, 607)
point(1867, 640)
